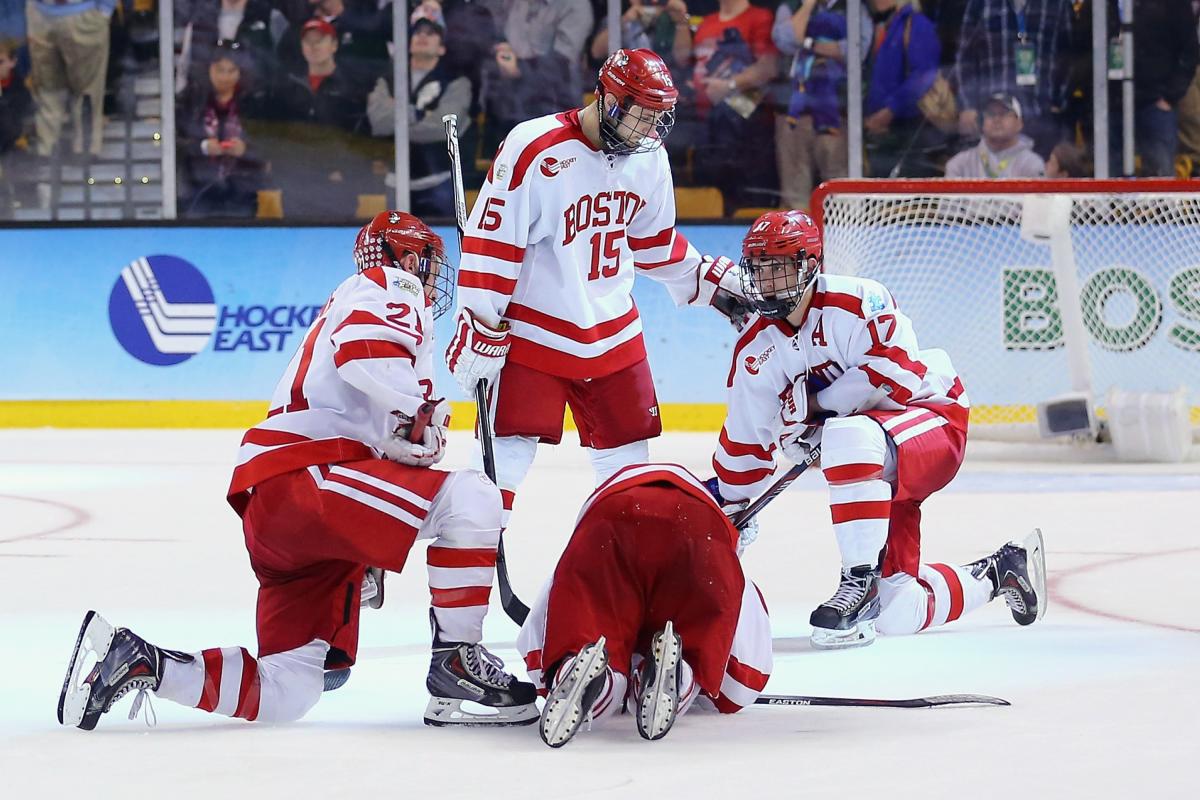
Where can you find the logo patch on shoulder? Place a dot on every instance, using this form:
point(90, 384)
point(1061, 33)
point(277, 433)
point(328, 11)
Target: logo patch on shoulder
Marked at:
point(875, 302)
point(551, 166)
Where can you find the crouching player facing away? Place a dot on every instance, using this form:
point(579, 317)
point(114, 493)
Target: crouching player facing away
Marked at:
point(837, 349)
point(649, 591)
point(333, 480)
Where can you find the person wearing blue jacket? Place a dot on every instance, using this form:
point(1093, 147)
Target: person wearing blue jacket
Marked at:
point(901, 65)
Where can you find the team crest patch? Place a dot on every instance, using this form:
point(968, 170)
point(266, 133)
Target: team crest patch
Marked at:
point(875, 302)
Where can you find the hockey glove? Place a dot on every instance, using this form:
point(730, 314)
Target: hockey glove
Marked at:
point(409, 444)
point(748, 533)
point(477, 351)
point(797, 434)
point(716, 273)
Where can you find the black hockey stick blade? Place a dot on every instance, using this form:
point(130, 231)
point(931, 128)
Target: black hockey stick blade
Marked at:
point(936, 701)
point(512, 605)
point(744, 516)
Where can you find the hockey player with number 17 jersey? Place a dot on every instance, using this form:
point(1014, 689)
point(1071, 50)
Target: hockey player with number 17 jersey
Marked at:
point(832, 359)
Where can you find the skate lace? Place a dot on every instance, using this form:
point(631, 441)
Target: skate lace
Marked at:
point(1013, 598)
point(143, 686)
point(849, 593)
point(486, 667)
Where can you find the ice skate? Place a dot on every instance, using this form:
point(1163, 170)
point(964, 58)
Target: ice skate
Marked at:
point(1018, 574)
point(658, 685)
point(107, 664)
point(848, 618)
point(577, 684)
point(468, 686)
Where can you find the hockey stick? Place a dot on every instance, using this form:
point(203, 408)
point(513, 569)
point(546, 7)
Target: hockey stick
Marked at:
point(512, 605)
point(935, 701)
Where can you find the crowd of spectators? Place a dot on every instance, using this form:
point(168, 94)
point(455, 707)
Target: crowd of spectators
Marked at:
point(298, 95)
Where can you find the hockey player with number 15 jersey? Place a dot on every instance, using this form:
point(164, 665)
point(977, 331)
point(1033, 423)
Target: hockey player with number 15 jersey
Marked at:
point(832, 359)
point(336, 479)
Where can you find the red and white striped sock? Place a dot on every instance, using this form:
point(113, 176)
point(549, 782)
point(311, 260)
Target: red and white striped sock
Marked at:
point(952, 591)
point(860, 500)
point(460, 585)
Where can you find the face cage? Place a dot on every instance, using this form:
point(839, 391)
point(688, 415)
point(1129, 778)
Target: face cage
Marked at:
point(780, 301)
point(617, 130)
point(441, 282)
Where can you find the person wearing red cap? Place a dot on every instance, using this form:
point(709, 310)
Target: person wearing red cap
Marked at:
point(320, 94)
point(574, 206)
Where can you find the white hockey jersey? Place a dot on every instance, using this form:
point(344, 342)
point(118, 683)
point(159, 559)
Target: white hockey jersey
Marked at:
point(368, 354)
point(852, 340)
point(553, 243)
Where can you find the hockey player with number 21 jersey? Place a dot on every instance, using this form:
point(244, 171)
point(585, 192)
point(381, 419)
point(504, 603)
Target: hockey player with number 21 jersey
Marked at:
point(832, 359)
point(574, 205)
point(336, 479)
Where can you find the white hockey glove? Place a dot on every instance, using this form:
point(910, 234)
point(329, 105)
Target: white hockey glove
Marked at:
point(716, 273)
point(417, 444)
point(477, 351)
point(797, 434)
point(731, 508)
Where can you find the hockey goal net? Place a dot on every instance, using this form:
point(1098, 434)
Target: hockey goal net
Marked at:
point(1035, 288)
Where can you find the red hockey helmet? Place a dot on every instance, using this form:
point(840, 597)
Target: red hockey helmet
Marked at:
point(645, 109)
point(781, 256)
point(390, 236)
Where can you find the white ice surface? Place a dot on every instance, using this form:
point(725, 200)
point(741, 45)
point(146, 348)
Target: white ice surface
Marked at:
point(1104, 689)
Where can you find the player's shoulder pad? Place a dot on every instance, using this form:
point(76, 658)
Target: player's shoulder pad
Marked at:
point(386, 281)
point(868, 297)
point(525, 148)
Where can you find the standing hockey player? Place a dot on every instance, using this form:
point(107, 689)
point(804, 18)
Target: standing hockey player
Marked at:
point(891, 420)
point(574, 205)
point(335, 479)
point(648, 591)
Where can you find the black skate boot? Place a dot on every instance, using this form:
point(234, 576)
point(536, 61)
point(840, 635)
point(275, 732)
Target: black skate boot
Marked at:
point(848, 618)
point(577, 684)
point(1018, 574)
point(461, 672)
point(117, 661)
point(657, 685)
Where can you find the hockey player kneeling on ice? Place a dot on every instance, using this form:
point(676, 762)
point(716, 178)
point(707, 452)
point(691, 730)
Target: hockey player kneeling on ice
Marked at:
point(648, 600)
point(891, 421)
point(338, 477)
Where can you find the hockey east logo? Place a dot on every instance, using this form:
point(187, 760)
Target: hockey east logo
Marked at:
point(162, 311)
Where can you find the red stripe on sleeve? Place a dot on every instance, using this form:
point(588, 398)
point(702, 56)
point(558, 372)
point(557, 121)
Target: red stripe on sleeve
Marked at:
point(866, 509)
point(453, 557)
point(469, 279)
point(742, 477)
point(461, 597)
point(660, 239)
point(268, 438)
point(746, 675)
point(569, 330)
point(740, 449)
point(678, 251)
point(248, 692)
point(846, 302)
point(370, 348)
point(954, 585)
point(542, 143)
point(898, 394)
point(361, 317)
point(900, 358)
point(499, 250)
point(852, 473)
point(210, 695)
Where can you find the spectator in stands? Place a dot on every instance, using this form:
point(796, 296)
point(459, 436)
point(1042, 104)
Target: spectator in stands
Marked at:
point(244, 23)
point(1067, 161)
point(15, 107)
point(810, 139)
point(222, 174)
point(729, 125)
point(536, 67)
point(1004, 152)
point(322, 93)
point(364, 28)
point(901, 66)
point(471, 36)
point(68, 49)
point(1020, 48)
point(436, 90)
point(1165, 50)
point(659, 25)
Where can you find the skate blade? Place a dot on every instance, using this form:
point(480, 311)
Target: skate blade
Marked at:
point(860, 636)
point(91, 647)
point(657, 711)
point(446, 711)
point(1035, 564)
point(564, 713)
point(336, 678)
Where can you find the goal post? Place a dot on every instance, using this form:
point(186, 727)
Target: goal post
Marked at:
point(1036, 288)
